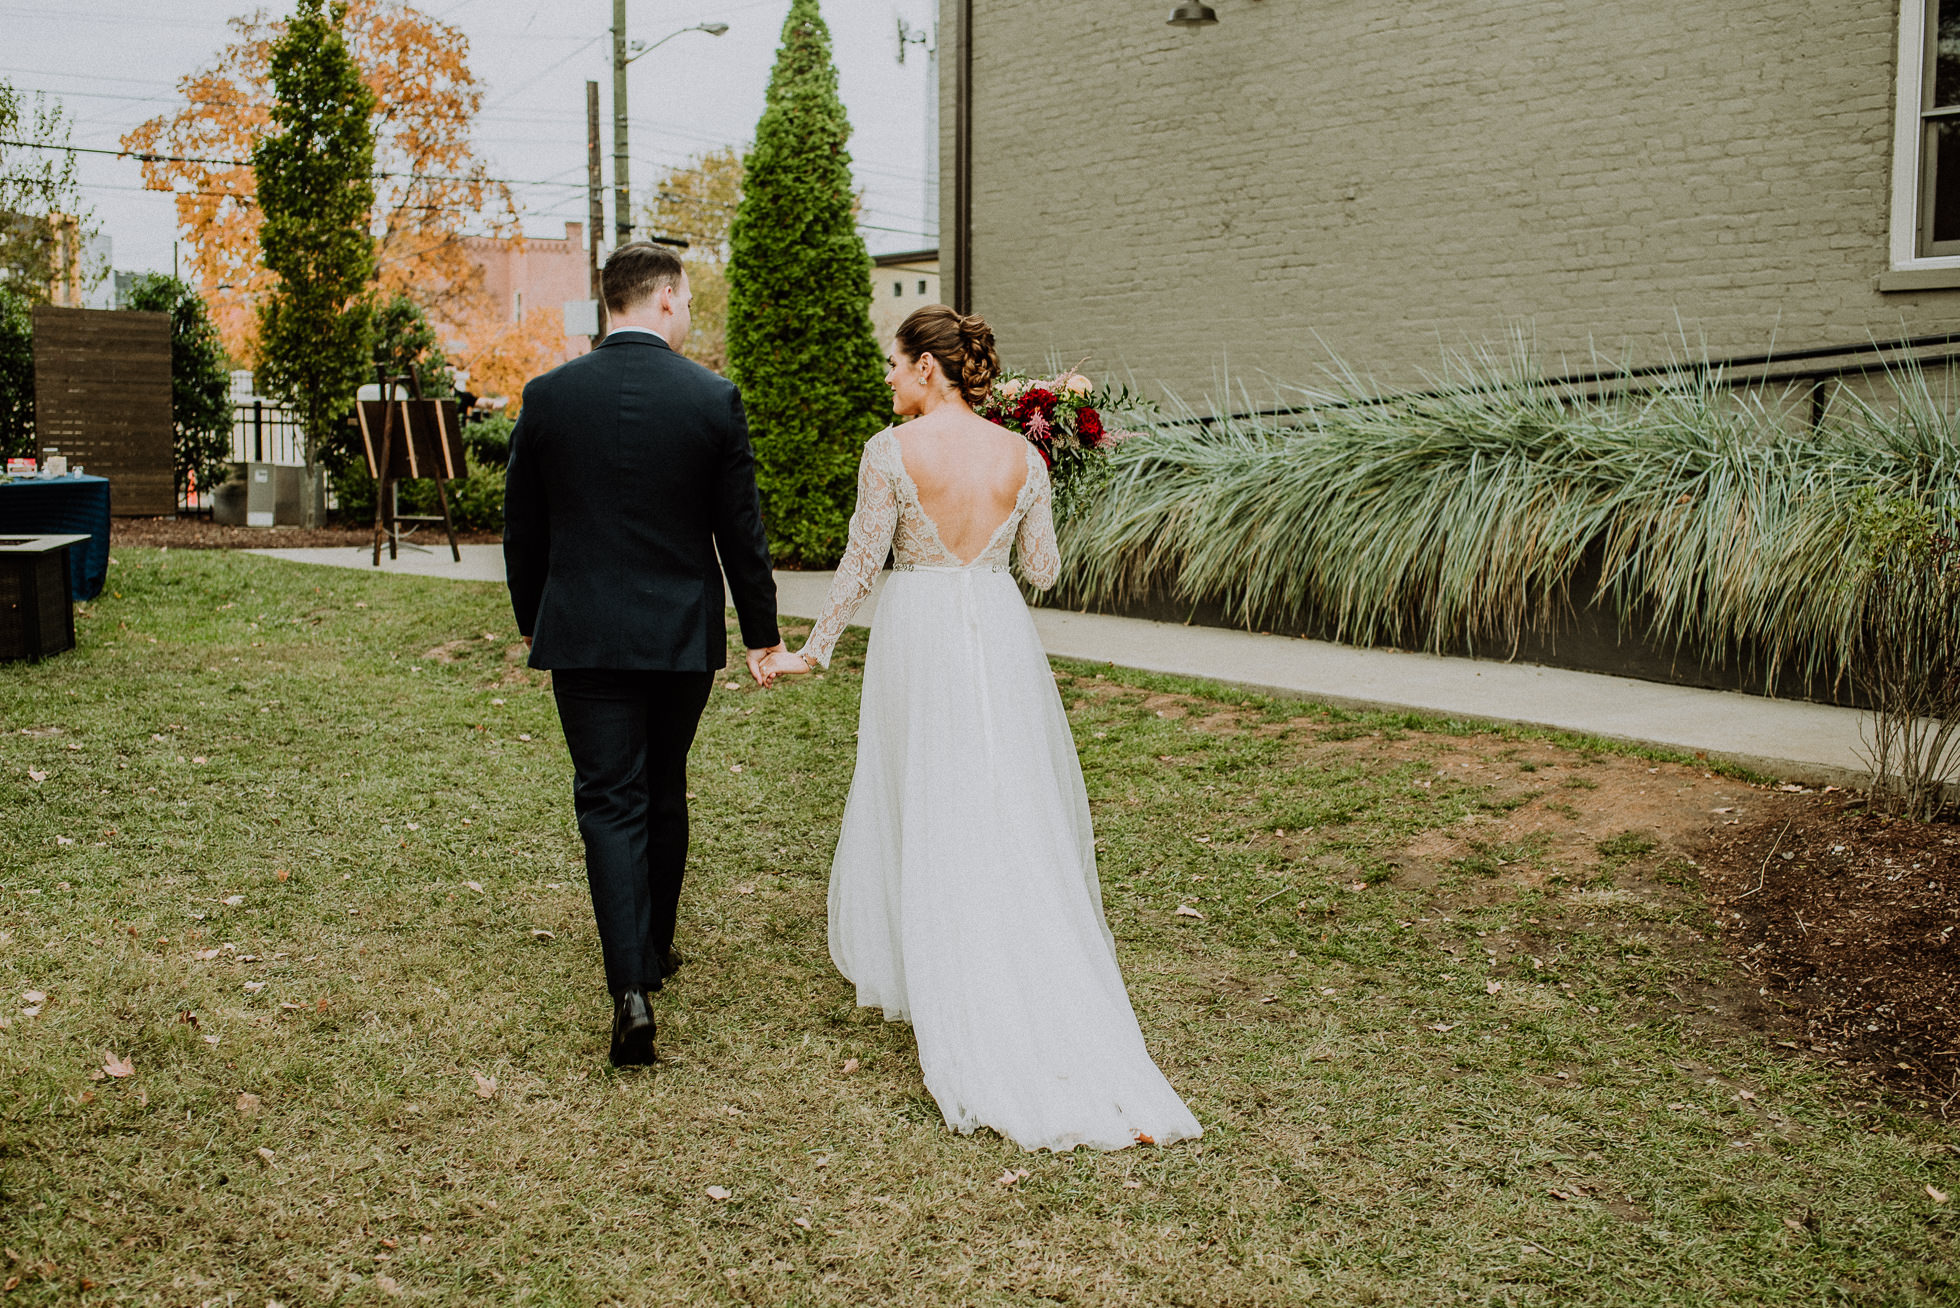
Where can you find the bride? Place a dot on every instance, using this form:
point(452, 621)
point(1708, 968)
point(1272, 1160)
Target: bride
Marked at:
point(963, 896)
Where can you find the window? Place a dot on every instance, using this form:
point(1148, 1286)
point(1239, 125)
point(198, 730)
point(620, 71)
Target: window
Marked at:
point(922, 286)
point(898, 288)
point(1926, 154)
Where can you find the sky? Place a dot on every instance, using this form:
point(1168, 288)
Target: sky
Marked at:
point(114, 63)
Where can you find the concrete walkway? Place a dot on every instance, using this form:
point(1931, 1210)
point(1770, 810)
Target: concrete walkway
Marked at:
point(1811, 743)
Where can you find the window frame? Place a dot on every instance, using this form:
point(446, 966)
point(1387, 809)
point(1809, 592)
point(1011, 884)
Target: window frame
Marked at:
point(1909, 164)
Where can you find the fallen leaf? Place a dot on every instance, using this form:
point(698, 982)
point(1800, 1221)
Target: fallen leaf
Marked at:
point(1006, 1178)
point(522, 736)
point(64, 840)
point(414, 826)
point(117, 1067)
point(281, 874)
point(253, 987)
point(1326, 990)
point(1793, 1224)
point(475, 885)
point(198, 758)
point(1358, 887)
point(1492, 987)
point(234, 901)
point(486, 1086)
point(206, 955)
point(1185, 910)
point(539, 933)
point(265, 1155)
point(33, 775)
point(735, 767)
point(248, 1104)
point(388, 1284)
point(1443, 1026)
point(1937, 1196)
point(1133, 1185)
point(34, 996)
point(717, 1192)
point(1745, 1094)
point(850, 1066)
point(1144, 1139)
point(211, 1039)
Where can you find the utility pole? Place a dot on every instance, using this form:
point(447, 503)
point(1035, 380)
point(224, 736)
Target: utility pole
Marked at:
point(622, 188)
point(595, 191)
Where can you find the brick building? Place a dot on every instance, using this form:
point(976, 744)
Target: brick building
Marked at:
point(901, 283)
point(538, 273)
point(1391, 178)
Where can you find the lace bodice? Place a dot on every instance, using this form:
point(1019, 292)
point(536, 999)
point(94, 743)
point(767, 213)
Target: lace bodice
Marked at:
point(890, 520)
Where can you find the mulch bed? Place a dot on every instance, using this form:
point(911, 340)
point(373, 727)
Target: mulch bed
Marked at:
point(1851, 922)
point(202, 534)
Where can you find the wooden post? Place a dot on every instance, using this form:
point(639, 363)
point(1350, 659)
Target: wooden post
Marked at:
point(382, 525)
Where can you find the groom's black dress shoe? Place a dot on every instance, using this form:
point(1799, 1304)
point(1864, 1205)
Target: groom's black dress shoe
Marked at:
point(669, 964)
point(632, 1039)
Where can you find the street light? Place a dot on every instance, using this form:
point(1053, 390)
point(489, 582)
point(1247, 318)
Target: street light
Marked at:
point(641, 47)
point(622, 189)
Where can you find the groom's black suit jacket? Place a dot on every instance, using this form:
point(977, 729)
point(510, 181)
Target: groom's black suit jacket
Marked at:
point(629, 467)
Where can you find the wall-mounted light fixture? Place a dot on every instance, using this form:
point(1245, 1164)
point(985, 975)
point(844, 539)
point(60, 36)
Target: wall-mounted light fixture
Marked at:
point(1193, 16)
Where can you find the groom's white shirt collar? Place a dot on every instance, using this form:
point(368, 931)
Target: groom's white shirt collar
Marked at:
point(644, 331)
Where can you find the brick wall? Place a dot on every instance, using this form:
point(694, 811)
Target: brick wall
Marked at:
point(539, 273)
point(1391, 177)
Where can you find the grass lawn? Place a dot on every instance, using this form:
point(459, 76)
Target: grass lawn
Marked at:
point(297, 844)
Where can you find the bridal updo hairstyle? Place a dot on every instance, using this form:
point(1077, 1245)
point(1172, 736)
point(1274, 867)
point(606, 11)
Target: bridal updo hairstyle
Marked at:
point(963, 344)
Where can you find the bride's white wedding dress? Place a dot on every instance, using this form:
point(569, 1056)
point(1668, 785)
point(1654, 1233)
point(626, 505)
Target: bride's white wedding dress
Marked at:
point(963, 897)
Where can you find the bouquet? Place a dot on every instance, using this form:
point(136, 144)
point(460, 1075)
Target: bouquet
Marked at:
point(1062, 417)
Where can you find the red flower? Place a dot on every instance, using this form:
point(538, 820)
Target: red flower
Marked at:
point(1088, 425)
point(1035, 401)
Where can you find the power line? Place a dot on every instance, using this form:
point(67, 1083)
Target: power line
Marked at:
point(144, 156)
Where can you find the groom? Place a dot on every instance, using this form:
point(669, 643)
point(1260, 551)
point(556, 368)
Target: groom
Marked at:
point(629, 471)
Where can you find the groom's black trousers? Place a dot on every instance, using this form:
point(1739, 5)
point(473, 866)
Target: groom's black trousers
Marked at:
point(629, 733)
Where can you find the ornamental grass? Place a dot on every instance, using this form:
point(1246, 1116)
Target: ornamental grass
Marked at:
point(1715, 519)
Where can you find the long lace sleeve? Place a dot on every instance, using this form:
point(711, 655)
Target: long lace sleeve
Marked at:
point(872, 524)
point(1041, 560)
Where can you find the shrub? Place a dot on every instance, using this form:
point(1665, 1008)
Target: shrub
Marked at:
point(1713, 522)
point(1908, 651)
point(16, 374)
point(488, 439)
point(200, 380)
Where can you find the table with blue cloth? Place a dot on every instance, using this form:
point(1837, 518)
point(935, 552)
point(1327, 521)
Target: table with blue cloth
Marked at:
point(63, 506)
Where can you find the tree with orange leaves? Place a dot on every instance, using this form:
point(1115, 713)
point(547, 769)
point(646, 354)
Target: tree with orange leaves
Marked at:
point(429, 182)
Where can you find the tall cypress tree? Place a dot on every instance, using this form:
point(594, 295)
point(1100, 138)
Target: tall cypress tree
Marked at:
point(799, 303)
point(316, 192)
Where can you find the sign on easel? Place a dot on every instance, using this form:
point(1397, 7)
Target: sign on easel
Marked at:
point(404, 435)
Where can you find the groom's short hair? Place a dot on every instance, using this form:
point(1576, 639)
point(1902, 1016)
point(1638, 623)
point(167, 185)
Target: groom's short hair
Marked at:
point(636, 271)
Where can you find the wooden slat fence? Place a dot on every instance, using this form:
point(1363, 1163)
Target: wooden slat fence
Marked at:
point(102, 397)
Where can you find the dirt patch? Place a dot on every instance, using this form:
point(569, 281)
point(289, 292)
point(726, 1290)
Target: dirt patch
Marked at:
point(203, 534)
point(1853, 920)
point(1842, 929)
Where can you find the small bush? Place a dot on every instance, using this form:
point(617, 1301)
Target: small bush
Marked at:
point(1908, 652)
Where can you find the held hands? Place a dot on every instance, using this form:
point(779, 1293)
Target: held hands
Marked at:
point(765, 665)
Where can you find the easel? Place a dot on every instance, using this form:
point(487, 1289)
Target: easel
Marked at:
point(405, 435)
